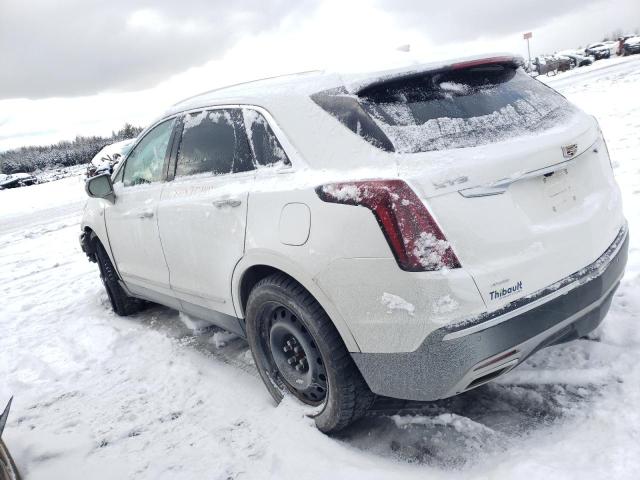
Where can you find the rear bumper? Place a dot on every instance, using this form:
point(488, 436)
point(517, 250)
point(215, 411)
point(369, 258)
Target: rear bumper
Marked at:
point(459, 357)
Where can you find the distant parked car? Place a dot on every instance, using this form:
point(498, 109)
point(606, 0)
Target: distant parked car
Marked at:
point(598, 51)
point(576, 59)
point(108, 158)
point(546, 64)
point(620, 43)
point(17, 180)
point(631, 46)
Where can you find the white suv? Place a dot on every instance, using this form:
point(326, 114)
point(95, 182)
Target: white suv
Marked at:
point(409, 234)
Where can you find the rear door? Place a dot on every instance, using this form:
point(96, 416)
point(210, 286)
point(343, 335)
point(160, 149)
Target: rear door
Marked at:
point(518, 179)
point(202, 212)
point(132, 222)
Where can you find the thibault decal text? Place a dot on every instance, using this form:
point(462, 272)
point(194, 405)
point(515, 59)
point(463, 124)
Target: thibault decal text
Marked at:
point(503, 292)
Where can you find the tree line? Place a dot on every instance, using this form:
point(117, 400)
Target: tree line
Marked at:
point(61, 154)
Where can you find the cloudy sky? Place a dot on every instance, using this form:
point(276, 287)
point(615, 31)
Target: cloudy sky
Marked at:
point(87, 66)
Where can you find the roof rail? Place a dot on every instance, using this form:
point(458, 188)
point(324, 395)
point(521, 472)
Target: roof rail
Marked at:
point(243, 83)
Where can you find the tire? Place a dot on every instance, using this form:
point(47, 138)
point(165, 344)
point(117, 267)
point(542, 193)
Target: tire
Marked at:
point(280, 310)
point(122, 304)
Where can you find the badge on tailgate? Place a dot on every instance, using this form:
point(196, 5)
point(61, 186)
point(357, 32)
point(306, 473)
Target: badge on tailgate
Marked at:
point(569, 151)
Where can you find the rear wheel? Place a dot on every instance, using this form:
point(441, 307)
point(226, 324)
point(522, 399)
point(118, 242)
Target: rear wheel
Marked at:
point(122, 303)
point(299, 352)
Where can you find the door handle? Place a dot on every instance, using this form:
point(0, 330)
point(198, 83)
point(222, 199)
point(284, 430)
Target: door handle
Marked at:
point(147, 214)
point(228, 202)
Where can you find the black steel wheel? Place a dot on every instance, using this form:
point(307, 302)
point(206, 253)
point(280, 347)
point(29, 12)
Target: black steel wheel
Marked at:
point(121, 303)
point(295, 355)
point(298, 351)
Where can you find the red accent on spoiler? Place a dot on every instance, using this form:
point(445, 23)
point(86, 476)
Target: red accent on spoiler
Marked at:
point(486, 61)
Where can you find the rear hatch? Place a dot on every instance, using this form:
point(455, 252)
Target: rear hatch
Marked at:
point(518, 179)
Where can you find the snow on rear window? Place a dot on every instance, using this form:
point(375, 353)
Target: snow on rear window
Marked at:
point(466, 108)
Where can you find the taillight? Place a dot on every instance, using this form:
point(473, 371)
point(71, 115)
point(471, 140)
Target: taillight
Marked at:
point(415, 239)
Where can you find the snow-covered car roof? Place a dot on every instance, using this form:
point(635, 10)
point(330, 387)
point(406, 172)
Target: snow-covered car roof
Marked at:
point(285, 98)
point(13, 176)
point(107, 153)
point(575, 56)
point(572, 53)
point(632, 41)
point(8, 179)
point(268, 91)
point(568, 52)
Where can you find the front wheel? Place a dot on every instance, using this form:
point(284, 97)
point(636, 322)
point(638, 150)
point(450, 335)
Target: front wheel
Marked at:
point(298, 351)
point(122, 303)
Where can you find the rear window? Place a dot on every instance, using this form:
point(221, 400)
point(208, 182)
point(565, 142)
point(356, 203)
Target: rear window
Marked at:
point(462, 108)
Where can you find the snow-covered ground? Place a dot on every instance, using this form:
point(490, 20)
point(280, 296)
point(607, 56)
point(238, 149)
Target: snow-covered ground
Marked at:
point(157, 396)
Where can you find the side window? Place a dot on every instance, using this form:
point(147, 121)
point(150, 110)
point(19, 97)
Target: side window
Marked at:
point(144, 164)
point(213, 142)
point(266, 147)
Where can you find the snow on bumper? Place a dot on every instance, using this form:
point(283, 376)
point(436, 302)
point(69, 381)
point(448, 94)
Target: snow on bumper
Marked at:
point(459, 357)
point(389, 310)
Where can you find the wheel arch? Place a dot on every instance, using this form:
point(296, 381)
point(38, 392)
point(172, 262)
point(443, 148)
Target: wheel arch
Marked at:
point(88, 240)
point(93, 223)
point(250, 270)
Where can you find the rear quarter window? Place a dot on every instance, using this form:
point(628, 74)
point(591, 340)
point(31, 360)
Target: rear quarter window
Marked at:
point(265, 145)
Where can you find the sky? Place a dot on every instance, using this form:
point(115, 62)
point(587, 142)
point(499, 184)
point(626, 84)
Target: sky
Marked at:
point(86, 67)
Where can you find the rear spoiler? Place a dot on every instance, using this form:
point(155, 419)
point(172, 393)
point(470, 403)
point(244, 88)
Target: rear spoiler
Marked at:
point(342, 102)
point(358, 86)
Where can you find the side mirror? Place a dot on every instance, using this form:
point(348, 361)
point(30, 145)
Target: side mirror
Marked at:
point(100, 186)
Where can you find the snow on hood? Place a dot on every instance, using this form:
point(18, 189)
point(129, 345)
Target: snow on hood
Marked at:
point(108, 152)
